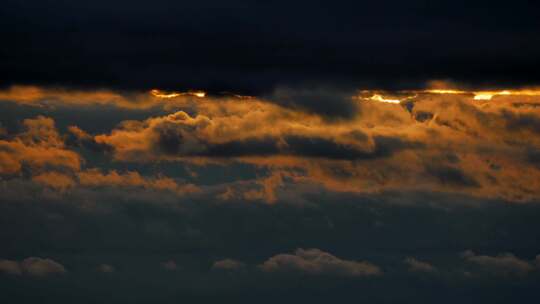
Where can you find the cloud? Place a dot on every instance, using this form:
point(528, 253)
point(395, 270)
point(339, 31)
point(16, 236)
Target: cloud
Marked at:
point(451, 176)
point(50, 97)
point(32, 266)
point(55, 180)
point(106, 268)
point(40, 267)
point(327, 102)
point(318, 262)
point(180, 135)
point(463, 146)
point(262, 57)
point(169, 265)
point(10, 267)
point(39, 146)
point(228, 264)
point(502, 264)
point(95, 178)
point(80, 138)
point(419, 266)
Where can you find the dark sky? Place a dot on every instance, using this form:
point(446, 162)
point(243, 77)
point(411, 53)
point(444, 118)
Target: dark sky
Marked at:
point(254, 46)
point(269, 151)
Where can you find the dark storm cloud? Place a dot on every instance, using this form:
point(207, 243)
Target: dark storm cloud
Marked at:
point(254, 47)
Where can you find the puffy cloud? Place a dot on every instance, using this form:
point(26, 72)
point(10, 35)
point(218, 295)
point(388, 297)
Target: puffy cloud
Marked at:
point(503, 264)
point(38, 147)
point(419, 266)
point(32, 266)
point(10, 267)
point(228, 264)
point(80, 138)
point(55, 180)
point(318, 262)
point(40, 267)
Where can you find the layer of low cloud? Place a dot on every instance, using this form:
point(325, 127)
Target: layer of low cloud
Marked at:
point(432, 142)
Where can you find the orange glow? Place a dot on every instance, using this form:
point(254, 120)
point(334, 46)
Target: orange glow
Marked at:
point(380, 98)
point(445, 91)
point(161, 94)
point(486, 95)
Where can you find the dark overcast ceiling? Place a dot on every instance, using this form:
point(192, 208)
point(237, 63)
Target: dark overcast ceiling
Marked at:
point(252, 47)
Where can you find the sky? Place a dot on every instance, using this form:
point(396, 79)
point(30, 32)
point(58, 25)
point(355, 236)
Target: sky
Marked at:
point(241, 151)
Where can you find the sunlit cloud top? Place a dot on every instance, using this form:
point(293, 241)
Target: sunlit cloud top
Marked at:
point(162, 94)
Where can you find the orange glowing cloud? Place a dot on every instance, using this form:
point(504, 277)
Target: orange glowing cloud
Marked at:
point(473, 142)
point(95, 178)
point(39, 146)
point(161, 94)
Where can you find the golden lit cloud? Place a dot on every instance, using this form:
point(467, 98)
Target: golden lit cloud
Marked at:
point(473, 142)
point(38, 147)
point(377, 97)
point(162, 94)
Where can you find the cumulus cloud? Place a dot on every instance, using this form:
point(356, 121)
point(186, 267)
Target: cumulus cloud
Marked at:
point(419, 266)
point(228, 264)
point(502, 264)
point(55, 180)
point(38, 147)
point(318, 262)
point(32, 266)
